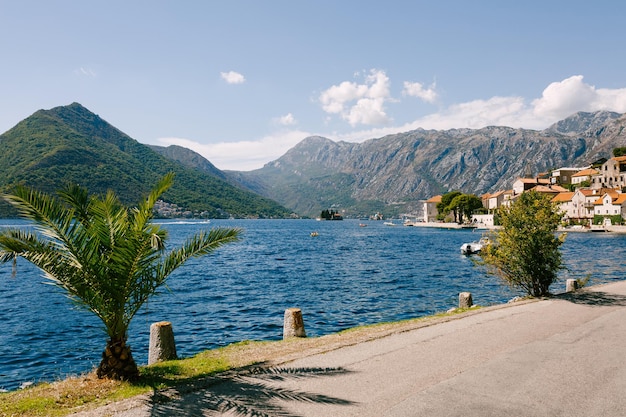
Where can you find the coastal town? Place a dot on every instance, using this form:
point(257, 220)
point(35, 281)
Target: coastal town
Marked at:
point(590, 197)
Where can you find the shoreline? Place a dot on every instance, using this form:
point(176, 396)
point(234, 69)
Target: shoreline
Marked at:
point(281, 353)
point(318, 353)
point(450, 226)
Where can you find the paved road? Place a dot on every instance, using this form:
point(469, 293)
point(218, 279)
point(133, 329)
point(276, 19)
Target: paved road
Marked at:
point(558, 357)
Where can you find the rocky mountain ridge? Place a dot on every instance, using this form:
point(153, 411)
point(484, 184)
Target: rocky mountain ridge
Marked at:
point(395, 173)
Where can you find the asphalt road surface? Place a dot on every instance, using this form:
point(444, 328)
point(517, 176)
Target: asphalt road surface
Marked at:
point(564, 356)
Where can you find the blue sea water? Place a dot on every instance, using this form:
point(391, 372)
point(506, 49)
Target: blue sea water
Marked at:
point(344, 277)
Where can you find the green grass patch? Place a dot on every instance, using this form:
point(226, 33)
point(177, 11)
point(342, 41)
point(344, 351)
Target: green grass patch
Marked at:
point(87, 391)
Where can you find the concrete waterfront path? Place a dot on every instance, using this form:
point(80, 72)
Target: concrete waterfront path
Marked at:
point(564, 356)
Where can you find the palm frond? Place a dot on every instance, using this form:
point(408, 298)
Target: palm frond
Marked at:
point(53, 220)
point(200, 244)
point(78, 198)
point(143, 213)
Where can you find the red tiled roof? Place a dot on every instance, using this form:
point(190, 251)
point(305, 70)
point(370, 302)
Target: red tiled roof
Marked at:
point(587, 192)
point(563, 197)
point(435, 199)
point(550, 189)
point(611, 193)
point(586, 173)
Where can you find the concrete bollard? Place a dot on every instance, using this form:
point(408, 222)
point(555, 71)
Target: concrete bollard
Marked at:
point(571, 285)
point(162, 346)
point(293, 324)
point(465, 300)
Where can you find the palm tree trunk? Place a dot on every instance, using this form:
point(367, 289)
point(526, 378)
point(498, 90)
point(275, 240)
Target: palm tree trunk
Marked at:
point(117, 362)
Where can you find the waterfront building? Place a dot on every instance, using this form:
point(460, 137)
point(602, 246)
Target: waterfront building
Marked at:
point(612, 203)
point(430, 208)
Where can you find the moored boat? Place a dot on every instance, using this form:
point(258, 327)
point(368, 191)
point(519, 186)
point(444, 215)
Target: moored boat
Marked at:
point(474, 248)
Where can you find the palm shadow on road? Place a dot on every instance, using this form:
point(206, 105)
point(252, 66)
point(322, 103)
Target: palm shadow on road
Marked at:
point(248, 393)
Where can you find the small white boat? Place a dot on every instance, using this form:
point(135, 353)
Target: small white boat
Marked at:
point(389, 223)
point(474, 248)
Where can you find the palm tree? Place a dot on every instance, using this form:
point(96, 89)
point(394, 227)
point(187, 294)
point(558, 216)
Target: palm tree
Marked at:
point(107, 257)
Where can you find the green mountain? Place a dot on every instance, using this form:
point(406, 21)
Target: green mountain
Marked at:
point(70, 144)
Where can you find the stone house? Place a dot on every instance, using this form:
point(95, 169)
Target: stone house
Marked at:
point(583, 201)
point(612, 174)
point(496, 200)
point(430, 208)
point(563, 176)
point(566, 204)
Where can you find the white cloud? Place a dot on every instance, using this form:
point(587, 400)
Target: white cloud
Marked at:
point(563, 98)
point(429, 94)
point(558, 101)
point(286, 120)
point(85, 72)
point(243, 155)
point(502, 111)
point(232, 77)
point(359, 103)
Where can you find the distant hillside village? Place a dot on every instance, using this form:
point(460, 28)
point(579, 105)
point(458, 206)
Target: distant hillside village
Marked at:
point(591, 195)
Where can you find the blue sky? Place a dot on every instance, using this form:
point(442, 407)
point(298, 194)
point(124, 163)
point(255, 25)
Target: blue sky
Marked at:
point(241, 82)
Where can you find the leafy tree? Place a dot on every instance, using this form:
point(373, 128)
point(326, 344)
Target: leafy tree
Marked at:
point(465, 205)
point(107, 257)
point(526, 253)
point(443, 207)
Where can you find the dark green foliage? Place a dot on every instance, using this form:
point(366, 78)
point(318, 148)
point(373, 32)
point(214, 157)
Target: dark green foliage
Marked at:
point(465, 205)
point(616, 219)
point(461, 205)
point(70, 144)
point(443, 207)
point(619, 152)
point(526, 253)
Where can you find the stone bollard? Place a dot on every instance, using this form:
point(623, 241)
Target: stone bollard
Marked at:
point(293, 324)
point(571, 285)
point(465, 300)
point(162, 345)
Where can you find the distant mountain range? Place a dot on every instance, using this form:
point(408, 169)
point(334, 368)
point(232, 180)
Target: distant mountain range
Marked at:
point(395, 173)
point(391, 175)
point(70, 144)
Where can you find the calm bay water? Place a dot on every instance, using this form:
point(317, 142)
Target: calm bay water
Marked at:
point(345, 277)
